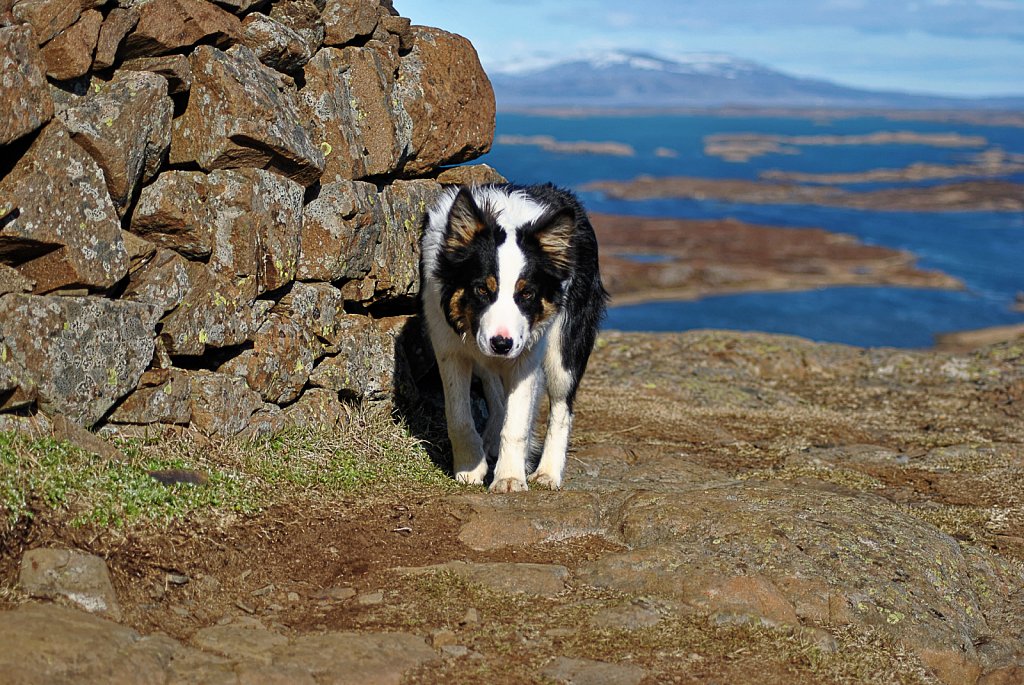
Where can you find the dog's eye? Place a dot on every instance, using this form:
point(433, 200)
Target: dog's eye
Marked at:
point(526, 294)
point(482, 291)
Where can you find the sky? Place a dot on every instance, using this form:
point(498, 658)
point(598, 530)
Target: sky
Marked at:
point(945, 47)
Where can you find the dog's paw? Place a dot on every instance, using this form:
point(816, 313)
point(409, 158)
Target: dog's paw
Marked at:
point(509, 485)
point(545, 480)
point(472, 476)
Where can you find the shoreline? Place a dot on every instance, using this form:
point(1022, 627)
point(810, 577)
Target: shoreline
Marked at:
point(971, 195)
point(696, 294)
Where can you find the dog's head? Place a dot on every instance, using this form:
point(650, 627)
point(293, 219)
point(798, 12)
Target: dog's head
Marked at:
point(503, 265)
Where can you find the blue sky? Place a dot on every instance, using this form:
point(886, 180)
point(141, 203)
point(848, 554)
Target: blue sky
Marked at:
point(949, 47)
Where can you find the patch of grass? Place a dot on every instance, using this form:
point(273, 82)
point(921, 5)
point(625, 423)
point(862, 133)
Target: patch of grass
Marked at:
point(366, 454)
point(41, 474)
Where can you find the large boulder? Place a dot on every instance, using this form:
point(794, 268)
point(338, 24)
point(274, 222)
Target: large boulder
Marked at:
point(302, 17)
point(213, 312)
point(245, 222)
point(126, 126)
point(257, 221)
point(116, 25)
point(363, 364)
point(348, 96)
point(346, 20)
point(27, 103)
point(69, 54)
point(81, 354)
point(302, 326)
point(274, 43)
point(175, 68)
point(340, 230)
point(241, 113)
point(173, 212)
point(49, 17)
point(63, 226)
point(445, 103)
point(168, 26)
point(319, 306)
point(163, 396)
point(222, 404)
point(395, 269)
point(162, 280)
point(283, 354)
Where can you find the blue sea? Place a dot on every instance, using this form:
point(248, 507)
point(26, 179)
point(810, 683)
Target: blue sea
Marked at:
point(983, 249)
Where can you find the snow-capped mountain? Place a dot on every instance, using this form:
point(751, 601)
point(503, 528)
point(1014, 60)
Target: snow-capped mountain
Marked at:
point(635, 79)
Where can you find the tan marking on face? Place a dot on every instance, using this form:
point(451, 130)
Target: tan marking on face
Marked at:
point(547, 309)
point(458, 314)
point(492, 283)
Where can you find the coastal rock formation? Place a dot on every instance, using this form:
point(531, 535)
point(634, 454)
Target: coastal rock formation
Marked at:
point(649, 258)
point(182, 243)
point(986, 196)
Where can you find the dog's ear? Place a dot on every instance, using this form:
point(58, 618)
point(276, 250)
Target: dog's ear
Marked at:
point(554, 233)
point(465, 221)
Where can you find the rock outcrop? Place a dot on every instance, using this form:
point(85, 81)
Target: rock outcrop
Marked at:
point(208, 210)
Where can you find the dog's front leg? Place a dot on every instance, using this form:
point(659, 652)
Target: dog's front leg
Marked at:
point(510, 470)
point(494, 393)
point(468, 460)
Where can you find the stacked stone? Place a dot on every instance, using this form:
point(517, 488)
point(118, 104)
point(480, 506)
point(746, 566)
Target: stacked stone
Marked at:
point(209, 213)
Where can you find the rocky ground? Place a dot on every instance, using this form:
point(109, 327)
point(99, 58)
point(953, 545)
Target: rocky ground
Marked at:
point(739, 508)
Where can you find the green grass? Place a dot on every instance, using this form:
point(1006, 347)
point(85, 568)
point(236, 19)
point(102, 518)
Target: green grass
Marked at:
point(43, 477)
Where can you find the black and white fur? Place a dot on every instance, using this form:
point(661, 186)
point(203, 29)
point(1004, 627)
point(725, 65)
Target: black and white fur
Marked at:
point(511, 293)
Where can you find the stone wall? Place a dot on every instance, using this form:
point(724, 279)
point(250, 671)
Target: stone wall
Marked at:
point(209, 211)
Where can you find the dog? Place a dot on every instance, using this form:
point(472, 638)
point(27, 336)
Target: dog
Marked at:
point(511, 292)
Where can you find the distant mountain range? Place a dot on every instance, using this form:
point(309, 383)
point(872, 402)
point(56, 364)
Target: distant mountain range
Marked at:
point(617, 79)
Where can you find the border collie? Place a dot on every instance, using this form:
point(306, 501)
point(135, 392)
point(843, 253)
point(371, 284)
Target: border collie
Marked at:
point(511, 293)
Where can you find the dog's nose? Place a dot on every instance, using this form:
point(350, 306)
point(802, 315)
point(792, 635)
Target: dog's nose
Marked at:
point(500, 344)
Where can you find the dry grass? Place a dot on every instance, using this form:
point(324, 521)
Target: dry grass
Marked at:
point(520, 634)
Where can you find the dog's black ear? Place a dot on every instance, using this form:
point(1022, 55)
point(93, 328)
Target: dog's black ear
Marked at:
point(554, 233)
point(465, 221)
